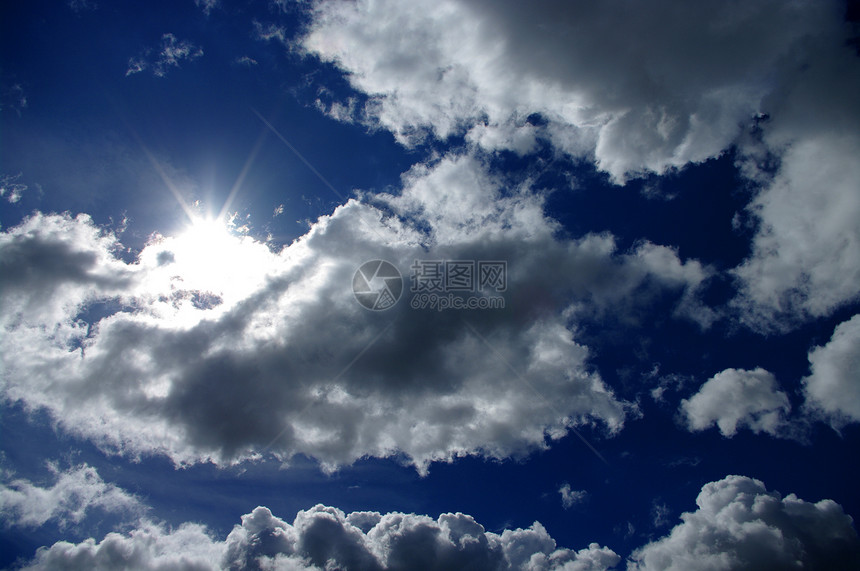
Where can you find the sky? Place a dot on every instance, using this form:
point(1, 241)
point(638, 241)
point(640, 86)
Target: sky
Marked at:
point(448, 284)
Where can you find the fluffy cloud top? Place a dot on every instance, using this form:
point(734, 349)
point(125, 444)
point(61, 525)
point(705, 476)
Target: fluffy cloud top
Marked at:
point(735, 398)
point(833, 387)
point(740, 525)
point(326, 538)
point(210, 346)
point(75, 493)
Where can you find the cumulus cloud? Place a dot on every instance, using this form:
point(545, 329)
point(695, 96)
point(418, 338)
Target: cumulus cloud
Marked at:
point(595, 73)
point(833, 388)
point(211, 346)
point(570, 497)
point(325, 538)
point(636, 89)
point(806, 254)
point(736, 398)
point(75, 493)
point(171, 53)
point(149, 547)
point(740, 525)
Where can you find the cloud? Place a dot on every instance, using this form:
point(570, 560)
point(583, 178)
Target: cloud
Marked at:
point(81, 5)
point(569, 497)
point(206, 5)
point(595, 73)
point(660, 514)
point(211, 346)
point(170, 54)
point(806, 255)
point(245, 61)
point(776, 80)
point(149, 547)
point(735, 398)
point(269, 32)
point(832, 390)
point(325, 537)
point(740, 525)
point(10, 186)
point(13, 97)
point(75, 494)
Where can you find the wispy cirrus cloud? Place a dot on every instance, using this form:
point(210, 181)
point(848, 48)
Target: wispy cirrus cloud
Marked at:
point(10, 187)
point(170, 53)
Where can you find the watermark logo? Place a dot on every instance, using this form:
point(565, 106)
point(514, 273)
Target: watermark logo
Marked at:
point(377, 285)
point(436, 284)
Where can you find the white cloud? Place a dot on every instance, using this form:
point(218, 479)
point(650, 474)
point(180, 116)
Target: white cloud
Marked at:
point(570, 497)
point(650, 87)
point(325, 537)
point(833, 388)
point(740, 525)
point(206, 5)
point(245, 61)
point(10, 186)
point(595, 72)
point(171, 53)
point(806, 255)
point(269, 32)
point(75, 494)
point(660, 514)
point(210, 346)
point(735, 398)
point(149, 547)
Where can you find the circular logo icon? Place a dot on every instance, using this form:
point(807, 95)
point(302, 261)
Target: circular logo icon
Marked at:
point(377, 285)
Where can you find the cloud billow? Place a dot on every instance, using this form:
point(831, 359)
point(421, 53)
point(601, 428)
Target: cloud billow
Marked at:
point(738, 524)
point(638, 89)
point(283, 360)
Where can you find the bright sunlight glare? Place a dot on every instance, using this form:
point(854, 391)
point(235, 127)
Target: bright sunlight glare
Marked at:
point(207, 260)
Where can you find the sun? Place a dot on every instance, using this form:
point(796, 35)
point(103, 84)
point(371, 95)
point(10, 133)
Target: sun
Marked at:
point(204, 238)
point(208, 259)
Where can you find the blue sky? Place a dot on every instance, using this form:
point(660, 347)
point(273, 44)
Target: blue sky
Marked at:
point(669, 378)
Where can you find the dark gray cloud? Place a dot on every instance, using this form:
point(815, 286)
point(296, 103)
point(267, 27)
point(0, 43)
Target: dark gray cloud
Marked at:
point(283, 359)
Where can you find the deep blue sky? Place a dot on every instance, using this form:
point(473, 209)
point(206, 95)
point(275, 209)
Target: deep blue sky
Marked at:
point(80, 135)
